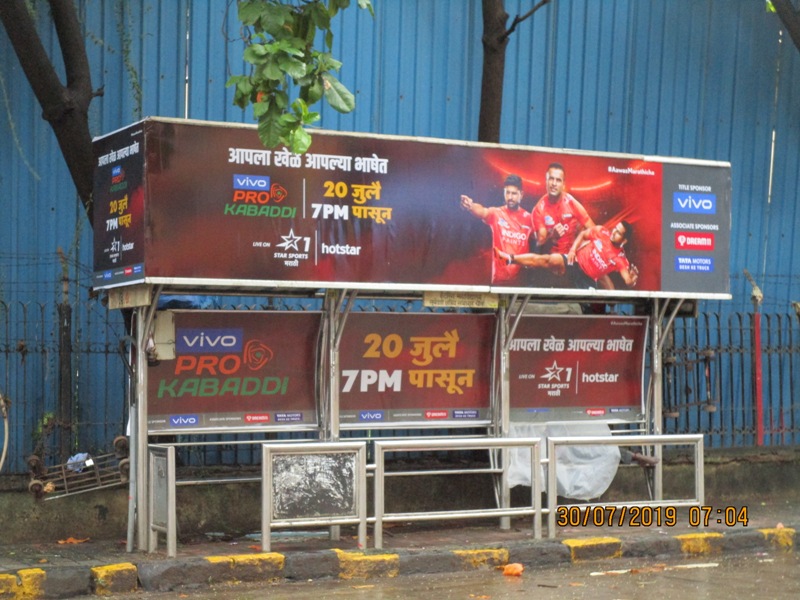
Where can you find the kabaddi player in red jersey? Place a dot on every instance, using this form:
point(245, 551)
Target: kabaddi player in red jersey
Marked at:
point(594, 255)
point(510, 226)
point(558, 217)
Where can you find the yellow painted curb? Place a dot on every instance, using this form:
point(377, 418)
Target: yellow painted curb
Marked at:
point(782, 537)
point(274, 561)
point(593, 548)
point(483, 558)
point(26, 584)
point(121, 578)
point(356, 565)
point(700, 543)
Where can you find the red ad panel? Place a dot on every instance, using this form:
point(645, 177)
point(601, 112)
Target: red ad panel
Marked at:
point(426, 368)
point(577, 367)
point(206, 202)
point(235, 370)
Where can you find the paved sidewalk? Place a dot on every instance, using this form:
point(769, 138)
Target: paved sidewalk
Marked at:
point(56, 570)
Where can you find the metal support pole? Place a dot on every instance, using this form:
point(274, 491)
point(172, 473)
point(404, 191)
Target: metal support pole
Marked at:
point(139, 429)
point(756, 297)
point(505, 419)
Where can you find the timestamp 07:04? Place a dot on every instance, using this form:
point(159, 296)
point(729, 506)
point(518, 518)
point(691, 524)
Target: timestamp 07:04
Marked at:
point(647, 516)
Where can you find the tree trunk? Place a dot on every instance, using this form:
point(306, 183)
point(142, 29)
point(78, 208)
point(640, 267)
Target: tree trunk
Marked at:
point(790, 17)
point(65, 107)
point(495, 42)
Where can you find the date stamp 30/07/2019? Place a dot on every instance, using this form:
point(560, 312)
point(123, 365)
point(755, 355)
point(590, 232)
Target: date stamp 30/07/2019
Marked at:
point(648, 516)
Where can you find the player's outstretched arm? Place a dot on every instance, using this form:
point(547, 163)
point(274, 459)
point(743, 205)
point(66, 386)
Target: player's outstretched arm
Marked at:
point(476, 209)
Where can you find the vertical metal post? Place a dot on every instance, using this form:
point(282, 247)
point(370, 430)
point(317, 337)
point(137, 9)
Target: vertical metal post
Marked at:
point(332, 426)
point(656, 419)
point(266, 498)
point(758, 393)
point(379, 495)
point(505, 419)
point(139, 442)
point(65, 400)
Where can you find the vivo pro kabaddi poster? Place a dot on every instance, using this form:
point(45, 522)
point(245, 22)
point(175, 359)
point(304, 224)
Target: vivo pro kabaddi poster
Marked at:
point(207, 204)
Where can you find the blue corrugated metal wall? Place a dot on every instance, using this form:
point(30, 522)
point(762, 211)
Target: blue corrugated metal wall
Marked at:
point(708, 79)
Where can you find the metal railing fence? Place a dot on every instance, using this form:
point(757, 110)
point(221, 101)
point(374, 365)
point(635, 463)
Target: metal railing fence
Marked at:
point(712, 384)
point(62, 368)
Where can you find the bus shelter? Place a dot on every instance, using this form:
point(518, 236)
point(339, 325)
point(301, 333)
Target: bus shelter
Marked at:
point(471, 232)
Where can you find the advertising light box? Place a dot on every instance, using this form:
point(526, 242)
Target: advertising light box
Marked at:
point(196, 203)
point(578, 368)
point(424, 368)
point(233, 370)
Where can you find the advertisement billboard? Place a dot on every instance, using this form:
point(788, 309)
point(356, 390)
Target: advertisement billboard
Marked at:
point(577, 368)
point(234, 370)
point(424, 368)
point(186, 202)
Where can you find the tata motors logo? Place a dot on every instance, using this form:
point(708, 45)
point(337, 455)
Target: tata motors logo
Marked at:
point(251, 182)
point(209, 340)
point(701, 204)
point(184, 420)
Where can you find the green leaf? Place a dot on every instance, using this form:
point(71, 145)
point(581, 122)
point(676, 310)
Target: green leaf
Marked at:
point(292, 67)
point(368, 5)
point(235, 79)
point(249, 12)
point(299, 140)
point(255, 54)
point(270, 131)
point(313, 92)
point(310, 117)
point(337, 95)
point(320, 16)
point(272, 70)
point(327, 62)
point(261, 108)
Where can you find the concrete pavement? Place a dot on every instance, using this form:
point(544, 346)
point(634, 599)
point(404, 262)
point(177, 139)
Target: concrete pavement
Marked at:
point(84, 567)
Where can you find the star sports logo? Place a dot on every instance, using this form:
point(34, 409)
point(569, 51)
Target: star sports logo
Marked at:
point(553, 372)
point(290, 241)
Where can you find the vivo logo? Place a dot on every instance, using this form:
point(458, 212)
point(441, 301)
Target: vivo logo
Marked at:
point(205, 341)
point(184, 420)
point(370, 415)
point(251, 182)
point(704, 204)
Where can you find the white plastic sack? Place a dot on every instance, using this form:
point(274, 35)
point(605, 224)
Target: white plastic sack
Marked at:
point(583, 473)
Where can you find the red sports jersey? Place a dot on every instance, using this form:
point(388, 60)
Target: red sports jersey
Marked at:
point(510, 233)
point(599, 256)
point(567, 211)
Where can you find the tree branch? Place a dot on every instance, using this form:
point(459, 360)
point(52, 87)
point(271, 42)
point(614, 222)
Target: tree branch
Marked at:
point(65, 107)
point(519, 19)
point(30, 52)
point(790, 17)
point(70, 38)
